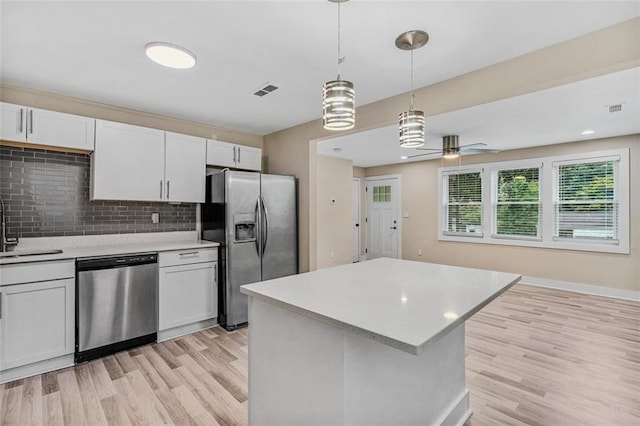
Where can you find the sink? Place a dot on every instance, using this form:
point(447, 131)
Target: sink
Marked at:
point(13, 254)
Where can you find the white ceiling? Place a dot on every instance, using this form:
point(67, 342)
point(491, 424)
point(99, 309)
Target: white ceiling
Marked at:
point(95, 50)
point(541, 118)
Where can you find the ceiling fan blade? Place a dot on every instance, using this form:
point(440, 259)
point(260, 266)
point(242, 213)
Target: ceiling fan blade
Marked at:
point(473, 144)
point(479, 151)
point(428, 149)
point(422, 155)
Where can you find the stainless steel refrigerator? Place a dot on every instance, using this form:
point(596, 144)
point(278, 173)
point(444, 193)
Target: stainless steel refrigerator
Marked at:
point(254, 218)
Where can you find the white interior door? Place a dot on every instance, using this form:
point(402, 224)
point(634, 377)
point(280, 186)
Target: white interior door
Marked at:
point(383, 225)
point(356, 220)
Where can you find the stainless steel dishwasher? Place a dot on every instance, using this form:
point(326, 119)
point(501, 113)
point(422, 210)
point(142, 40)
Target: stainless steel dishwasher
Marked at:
point(116, 304)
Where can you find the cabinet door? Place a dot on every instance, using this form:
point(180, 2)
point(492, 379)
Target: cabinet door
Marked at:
point(128, 163)
point(13, 123)
point(221, 154)
point(188, 294)
point(185, 168)
point(248, 158)
point(37, 322)
point(59, 129)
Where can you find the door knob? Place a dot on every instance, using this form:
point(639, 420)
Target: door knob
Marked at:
point(394, 227)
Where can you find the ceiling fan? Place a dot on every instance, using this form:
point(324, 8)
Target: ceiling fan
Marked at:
point(452, 149)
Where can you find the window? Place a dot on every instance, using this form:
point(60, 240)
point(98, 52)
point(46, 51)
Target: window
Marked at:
point(463, 203)
point(517, 203)
point(585, 204)
point(382, 194)
point(573, 202)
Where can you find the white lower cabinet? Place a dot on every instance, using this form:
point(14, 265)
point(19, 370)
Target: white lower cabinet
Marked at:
point(188, 288)
point(36, 318)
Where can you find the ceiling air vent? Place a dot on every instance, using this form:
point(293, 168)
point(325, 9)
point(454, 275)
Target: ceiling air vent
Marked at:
point(265, 89)
point(615, 108)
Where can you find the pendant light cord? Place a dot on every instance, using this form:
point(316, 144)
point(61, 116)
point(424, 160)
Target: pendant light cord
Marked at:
point(339, 61)
point(411, 101)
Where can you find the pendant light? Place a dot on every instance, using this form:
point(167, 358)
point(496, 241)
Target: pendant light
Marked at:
point(338, 96)
point(411, 122)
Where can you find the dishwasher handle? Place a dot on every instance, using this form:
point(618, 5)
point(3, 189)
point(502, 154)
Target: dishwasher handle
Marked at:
point(93, 264)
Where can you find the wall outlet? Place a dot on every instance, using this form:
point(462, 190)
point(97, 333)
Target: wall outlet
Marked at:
point(406, 215)
point(332, 255)
point(155, 217)
point(214, 137)
point(419, 252)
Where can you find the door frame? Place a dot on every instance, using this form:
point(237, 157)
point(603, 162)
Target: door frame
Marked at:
point(359, 205)
point(367, 181)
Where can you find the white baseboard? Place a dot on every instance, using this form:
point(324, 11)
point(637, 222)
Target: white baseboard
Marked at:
point(583, 288)
point(36, 368)
point(186, 329)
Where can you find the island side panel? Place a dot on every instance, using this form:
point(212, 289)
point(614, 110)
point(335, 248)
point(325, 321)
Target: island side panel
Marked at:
point(295, 368)
point(384, 385)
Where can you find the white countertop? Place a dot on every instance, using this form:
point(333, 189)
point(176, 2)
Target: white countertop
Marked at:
point(111, 249)
point(401, 303)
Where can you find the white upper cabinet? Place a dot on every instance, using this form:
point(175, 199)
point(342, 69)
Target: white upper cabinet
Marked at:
point(224, 154)
point(128, 163)
point(185, 168)
point(221, 154)
point(142, 164)
point(42, 127)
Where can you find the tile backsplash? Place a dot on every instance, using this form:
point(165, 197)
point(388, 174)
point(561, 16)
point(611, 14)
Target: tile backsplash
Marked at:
point(47, 194)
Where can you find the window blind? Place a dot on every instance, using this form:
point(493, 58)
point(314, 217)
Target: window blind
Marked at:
point(517, 208)
point(586, 207)
point(463, 204)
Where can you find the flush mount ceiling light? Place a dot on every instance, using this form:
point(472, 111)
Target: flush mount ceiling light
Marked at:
point(338, 96)
point(587, 132)
point(411, 122)
point(170, 55)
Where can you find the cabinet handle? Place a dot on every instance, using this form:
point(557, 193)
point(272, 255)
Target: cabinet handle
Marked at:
point(161, 190)
point(215, 273)
point(31, 121)
point(190, 254)
point(167, 190)
point(21, 119)
point(238, 154)
point(0, 305)
point(234, 154)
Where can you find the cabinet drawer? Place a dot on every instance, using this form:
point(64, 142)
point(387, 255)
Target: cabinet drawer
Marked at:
point(186, 257)
point(36, 271)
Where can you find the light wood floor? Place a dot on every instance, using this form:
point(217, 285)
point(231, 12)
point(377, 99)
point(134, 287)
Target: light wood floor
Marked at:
point(534, 357)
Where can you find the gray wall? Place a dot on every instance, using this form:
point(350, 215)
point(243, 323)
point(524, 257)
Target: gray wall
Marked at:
point(47, 194)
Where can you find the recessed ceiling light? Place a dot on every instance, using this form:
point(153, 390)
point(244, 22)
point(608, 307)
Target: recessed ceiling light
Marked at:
point(170, 55)
point(451, 315)
point(404, 157)
point(587, 132)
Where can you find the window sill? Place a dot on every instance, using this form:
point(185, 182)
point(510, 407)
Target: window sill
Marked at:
point(608, 247)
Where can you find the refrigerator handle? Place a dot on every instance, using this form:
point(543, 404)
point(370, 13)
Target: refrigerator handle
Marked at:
point(265, 225)
point(259, 226)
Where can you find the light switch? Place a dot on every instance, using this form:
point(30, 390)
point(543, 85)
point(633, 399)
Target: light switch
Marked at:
point(406, 215)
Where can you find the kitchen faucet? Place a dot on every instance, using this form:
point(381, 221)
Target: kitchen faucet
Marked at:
point(5, 242)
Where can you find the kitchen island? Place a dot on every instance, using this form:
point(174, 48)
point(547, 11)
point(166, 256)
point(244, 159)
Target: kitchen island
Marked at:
point(376, 342)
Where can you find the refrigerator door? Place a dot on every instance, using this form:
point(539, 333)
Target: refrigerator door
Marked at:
point(280, 230)
point(243, 242)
